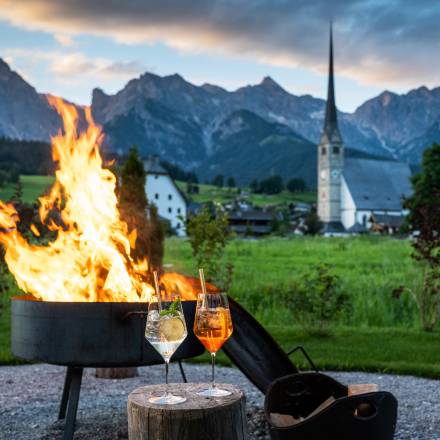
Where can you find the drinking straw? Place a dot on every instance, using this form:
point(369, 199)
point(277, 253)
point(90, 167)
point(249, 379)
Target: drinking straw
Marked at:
point(156, 285)
point(202, 281)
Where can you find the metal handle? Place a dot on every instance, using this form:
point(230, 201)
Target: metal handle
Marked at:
point(301, 349)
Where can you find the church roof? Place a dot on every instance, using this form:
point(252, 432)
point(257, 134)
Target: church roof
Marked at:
point(377, 184)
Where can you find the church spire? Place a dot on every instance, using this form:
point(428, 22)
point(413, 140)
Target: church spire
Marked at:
point(331, 120)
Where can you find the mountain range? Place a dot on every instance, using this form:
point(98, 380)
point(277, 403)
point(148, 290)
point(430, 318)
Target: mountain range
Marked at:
point(248, 133)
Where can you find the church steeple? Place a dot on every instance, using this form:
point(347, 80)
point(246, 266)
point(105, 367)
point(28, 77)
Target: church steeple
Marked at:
point(330, 158)
point(331, 118)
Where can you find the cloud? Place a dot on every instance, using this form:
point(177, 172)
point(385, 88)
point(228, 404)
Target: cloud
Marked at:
point(70, 65)
point(65, 40)
point(377, 42)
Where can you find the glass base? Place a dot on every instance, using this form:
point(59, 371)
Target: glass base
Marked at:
point(214, 392)
point(167, 399)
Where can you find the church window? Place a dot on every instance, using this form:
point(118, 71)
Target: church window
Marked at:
point(170, 210)
point(178, 225)
point(170, 196)
point(156, 196)
point(364, 220)
point(323, 151)
point(178, 210)
point(335, 150)
point(156, 176)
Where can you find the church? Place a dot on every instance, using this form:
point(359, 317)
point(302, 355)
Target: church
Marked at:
point(355, 194)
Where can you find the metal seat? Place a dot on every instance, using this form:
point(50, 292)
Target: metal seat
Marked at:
point(253, 350)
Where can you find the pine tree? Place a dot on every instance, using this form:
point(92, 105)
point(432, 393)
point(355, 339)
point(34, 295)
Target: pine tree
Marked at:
point(137, 213)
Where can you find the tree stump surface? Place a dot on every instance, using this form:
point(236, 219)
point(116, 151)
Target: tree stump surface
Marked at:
point(199, 418)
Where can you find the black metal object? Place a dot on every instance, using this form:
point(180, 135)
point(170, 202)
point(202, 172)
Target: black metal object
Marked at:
point(303, 351)
point(254, 351)
point(70, 399)
point(89, 334)
point(361, 417)
point(80, 334)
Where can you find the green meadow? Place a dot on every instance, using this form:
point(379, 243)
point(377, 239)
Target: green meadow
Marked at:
point(369, 268)
point(377, 333)
point(32, 187)
point(211, 193)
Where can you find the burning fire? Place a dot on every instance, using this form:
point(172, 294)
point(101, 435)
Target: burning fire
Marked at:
point(90, 258)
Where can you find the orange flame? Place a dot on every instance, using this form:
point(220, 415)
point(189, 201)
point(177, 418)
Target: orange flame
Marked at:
point(90, 258)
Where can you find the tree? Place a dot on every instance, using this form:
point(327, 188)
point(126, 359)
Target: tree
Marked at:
point(296, 185)
point(208, 234)
point(424, 222)
point(312, 223)
point(138, 214)
point(218, 180)
point(272, 185)
point(231, 182)
point(254, 186)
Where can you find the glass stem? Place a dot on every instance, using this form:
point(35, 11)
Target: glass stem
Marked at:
point(167, 365)
point(213, 368)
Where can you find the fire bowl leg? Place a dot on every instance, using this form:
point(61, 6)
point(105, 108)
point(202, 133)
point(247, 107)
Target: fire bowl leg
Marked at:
point(182, 371)
point(65, 396)
point(72, 387)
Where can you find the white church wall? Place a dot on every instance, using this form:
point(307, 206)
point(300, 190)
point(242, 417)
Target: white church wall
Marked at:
point(161, 191)
point(348, 208)
point(363, 217)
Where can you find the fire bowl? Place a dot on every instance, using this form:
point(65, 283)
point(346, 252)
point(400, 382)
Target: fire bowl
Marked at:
point(90, 334)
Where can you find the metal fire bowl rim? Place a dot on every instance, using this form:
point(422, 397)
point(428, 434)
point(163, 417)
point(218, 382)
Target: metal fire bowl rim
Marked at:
point(28, 297)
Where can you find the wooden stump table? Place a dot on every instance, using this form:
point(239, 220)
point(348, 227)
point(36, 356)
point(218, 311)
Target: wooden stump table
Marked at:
point(199, 418)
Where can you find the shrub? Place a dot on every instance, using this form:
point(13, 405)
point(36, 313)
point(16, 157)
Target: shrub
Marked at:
point(316, 300)
point(208, 234)
point(424, 222)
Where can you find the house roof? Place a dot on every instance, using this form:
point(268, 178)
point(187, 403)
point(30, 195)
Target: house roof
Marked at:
point(377, 184)
point(250, 214)
point(152, 166)
point(395, 221)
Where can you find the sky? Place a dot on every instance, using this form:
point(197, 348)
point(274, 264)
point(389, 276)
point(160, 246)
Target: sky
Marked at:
point(69, 47)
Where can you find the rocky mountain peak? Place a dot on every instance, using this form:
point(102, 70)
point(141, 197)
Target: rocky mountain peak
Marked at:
point(4, 65)
point(270, 84)
point(386, 97)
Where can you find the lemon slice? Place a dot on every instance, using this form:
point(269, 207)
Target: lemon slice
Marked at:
point(173, 328)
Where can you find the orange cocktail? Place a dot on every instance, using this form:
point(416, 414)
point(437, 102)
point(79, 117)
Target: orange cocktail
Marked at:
point(213, 327)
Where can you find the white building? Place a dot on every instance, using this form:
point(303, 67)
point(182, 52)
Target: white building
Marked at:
point(354, 193)
point(162, 191)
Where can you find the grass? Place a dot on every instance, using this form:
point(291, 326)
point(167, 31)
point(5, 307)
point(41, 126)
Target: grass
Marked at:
point(379, 334)
point(369, 269)
point(211, 193)
point(33, 187)
point(385, 350)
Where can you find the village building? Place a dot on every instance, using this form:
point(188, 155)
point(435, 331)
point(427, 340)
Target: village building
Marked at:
point(250, 222)
point(356, 194)
point(163, 192)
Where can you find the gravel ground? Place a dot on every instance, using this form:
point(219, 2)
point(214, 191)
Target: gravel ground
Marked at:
point(30, 394)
